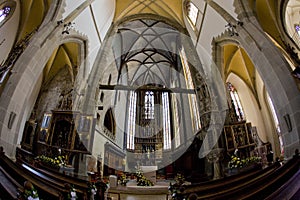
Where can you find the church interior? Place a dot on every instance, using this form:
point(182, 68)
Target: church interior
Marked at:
point(149, 99)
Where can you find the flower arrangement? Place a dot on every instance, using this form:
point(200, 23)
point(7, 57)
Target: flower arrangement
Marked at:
point(237, 162)
point(92, 189)
point(71, 195)
point(55, 162)
point(30, 193)
point(123, 180)
point(142, 180)
point(179, 179)
point(178, 187)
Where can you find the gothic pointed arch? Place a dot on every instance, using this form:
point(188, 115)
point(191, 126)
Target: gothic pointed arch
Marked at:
point(109, 121)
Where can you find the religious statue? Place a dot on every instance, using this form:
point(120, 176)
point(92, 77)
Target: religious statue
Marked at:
point(65, 102)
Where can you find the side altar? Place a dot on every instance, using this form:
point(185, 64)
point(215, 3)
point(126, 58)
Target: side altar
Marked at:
point(64, 133)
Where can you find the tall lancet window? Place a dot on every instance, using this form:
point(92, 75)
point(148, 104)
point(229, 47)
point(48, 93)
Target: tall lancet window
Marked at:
point(149, 105)
point(236, 102)
point(166, 120)
point(192, 12)
point(192, 97)
point(4, 12)
point(271, 105)
point(175, 115)
point(131, 121)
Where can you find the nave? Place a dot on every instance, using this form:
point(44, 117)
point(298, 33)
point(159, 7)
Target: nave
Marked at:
point(276, 181)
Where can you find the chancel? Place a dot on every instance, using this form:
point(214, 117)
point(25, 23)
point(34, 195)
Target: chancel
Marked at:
point(161, 99)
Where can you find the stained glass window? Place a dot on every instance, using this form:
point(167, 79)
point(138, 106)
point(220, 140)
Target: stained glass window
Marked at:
point(236, 102)
point(149, 105)
point(166, 121)
point(4, 12)
point(131, 121)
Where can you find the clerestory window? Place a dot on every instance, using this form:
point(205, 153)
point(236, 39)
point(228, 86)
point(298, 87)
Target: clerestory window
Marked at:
point(192, 12)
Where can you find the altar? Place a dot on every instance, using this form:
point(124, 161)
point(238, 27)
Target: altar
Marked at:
point(132, 191)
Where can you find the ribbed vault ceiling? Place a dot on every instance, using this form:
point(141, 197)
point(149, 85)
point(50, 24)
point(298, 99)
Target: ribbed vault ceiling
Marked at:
point(236, 60)
point(148, 50)
point(171, 9)
point(66, 55)
point(266, 12)
point(33, 13)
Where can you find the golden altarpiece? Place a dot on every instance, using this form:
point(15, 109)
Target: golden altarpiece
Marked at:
point(237, 132)
point(61, 132)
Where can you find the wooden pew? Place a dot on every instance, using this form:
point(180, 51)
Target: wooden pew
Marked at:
point(259, 185)
point(272, 182)
point(26, 160)
point(10, 186)
point(45, 188)
point(50, 185)
point(227, 182)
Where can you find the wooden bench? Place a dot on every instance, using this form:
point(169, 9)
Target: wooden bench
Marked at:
point(255, 185)
point(45, 188)
point(11, 186)
point(50, 185)
point(227, 182)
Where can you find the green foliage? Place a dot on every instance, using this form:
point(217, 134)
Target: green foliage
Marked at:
point(237, 162)
point(91, 188)
point(31, 193)
point(55, 162)
point(178, 187)
point(123, 180)
point(142, 180)
point(179, 179)
point(71, 192)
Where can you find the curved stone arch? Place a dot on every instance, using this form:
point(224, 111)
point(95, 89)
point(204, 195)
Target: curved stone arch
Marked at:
point(165, 20)
point(243, 10)
point(27, 71)
point(274, 71)
point(55, 12)
point(217, 54)
point(246, 14)
point(222, 41)
point(272, 67)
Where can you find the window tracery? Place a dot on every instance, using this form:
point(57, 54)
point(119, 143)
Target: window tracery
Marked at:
point(236, 103)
